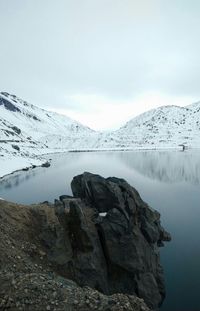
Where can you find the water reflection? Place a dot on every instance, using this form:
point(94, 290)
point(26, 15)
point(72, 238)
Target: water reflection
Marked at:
point(170, 167)
point(15, 179)
point(164, 166)
point(167, 180)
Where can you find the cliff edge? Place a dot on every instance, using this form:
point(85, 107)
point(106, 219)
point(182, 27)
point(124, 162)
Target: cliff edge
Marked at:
point(97, 250)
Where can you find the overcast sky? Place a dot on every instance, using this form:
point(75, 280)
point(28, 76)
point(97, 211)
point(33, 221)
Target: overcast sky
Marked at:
point(101, 61)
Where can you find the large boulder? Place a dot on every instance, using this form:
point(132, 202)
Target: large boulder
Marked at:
point(114, 237)
point(30, 243)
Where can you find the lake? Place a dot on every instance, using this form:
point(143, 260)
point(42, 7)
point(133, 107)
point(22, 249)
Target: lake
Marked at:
point(168, 181)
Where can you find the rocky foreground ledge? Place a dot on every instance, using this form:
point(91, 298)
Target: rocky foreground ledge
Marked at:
point(97, 250)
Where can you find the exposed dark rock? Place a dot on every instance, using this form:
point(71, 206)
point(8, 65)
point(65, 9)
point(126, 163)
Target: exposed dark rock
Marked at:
point(5, 94)
point(25, 169)
point(8, 105)
point(16, 129)
point(29, 281)
point(8, 133)
point(16, 147)
point(46, 164)
point(107, 239)
point(32, 117)
point(114, 237)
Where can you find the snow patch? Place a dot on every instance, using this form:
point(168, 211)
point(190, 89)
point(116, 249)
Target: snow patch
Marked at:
point(102, 214)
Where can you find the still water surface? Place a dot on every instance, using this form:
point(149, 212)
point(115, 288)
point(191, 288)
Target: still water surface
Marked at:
point(169, 181)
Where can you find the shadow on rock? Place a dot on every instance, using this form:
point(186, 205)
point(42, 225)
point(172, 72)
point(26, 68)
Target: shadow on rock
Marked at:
point(112, 239)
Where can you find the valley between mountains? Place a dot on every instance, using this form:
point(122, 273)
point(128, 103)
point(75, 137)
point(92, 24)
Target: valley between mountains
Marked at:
point(28, 132)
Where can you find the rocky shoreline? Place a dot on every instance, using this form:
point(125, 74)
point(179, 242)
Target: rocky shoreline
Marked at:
point(98, 250)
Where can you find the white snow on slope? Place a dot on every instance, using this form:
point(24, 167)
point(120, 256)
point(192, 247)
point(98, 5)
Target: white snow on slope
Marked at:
point(164, 127)
point(27, 132)
point(39, 123)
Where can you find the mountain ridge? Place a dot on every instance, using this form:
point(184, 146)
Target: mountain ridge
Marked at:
point(28, 131)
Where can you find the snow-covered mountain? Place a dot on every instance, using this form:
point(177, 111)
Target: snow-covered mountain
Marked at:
point(163, 127)
point(18, 118)
point(27, 131)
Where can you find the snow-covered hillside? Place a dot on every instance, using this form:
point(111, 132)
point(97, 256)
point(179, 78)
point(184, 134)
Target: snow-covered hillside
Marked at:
point(164, 127)
point(38, 124)
point(27, 132)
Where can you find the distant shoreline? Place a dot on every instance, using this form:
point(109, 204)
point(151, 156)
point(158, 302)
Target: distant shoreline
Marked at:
point(38, 161)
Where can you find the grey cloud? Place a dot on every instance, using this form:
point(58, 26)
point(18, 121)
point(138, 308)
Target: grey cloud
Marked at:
point(51, 50)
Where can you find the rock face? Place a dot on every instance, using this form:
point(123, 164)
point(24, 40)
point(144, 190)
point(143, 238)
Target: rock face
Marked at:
point(113, 237)
point(29, 280)
point(105, 239)
point(8, 105)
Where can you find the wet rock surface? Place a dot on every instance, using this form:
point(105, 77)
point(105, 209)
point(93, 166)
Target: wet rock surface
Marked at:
point(95, 251)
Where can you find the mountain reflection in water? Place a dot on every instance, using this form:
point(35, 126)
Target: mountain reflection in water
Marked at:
point(167, 180)
point(170, 167)
point(164, 166)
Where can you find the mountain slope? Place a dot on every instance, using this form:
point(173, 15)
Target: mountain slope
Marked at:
point(167, 126)
point(27, 131)
point(39, 124)
point(163, 127)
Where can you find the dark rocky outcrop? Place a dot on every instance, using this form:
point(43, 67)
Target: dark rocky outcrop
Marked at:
point(8, 105)
point(16, 147)
point(16, 129)
point(30, 281)
point(104, 237)
point(113, 237)
point(46, 164)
